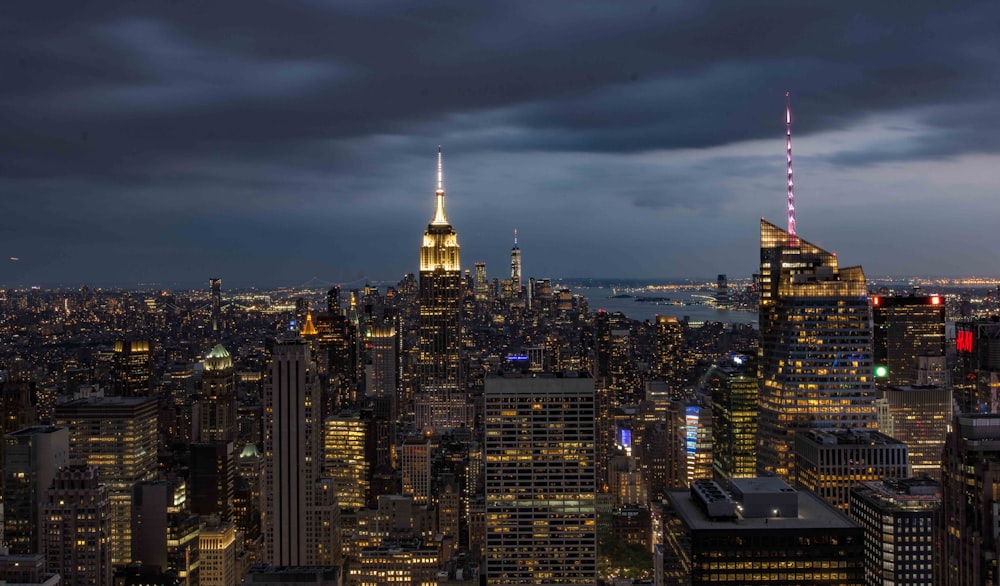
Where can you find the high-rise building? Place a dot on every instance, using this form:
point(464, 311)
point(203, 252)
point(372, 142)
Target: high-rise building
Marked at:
point(669, 351)
point(76, 527)
point(440, 297)
point(764, 531)
point(217, 547)
point(131, 369)
point(408, 562)
point(695, 427)
point(215, 287)
point(17, 400)
point(515, 266)
point(921, 418)
point(301, 514)
point(217, 406)
point(830, 462)
point(482, 284)
point(347, 458)
point(734, 390)
point(899, 518)
point(977, 380)
point(970, 477)
point(904, 329)
point(165, 533)
point(210, 479)
point(415, 463)
point(118, 435)
point(34, 455)
point(722, 292)
point(815, 358)
point(540, 518)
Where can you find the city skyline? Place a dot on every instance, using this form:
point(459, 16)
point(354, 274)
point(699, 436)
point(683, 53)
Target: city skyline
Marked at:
point(279, 142)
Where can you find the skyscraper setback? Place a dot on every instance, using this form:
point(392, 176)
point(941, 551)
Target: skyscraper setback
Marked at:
point(815, 357)
point(439, 300)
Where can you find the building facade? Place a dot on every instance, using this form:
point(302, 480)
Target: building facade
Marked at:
point(540, 483)
point(899, 519)
point(830, 462)
point(815, 358)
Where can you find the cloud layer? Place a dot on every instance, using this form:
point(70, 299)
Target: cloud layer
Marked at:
point(271, 142)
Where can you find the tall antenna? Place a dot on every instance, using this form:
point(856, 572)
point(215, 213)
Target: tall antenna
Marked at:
point(440, 188)
point(792, 238)
point(515, 237)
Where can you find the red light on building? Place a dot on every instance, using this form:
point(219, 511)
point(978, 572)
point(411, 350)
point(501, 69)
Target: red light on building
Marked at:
point(876, 300)
point(963, 341)
point(935, 300)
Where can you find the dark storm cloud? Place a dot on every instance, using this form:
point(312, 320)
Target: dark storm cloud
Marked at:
point(128, 121)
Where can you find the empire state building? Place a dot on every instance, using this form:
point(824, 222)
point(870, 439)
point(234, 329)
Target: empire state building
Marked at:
point(440, 302)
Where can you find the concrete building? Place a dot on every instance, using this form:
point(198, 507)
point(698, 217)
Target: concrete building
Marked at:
point(921, 418)
point(33, 457)
point(899, 518)
point(76, 527)
point(832, 462)
point(117, 435)
point(540, 482)
point(763, 531)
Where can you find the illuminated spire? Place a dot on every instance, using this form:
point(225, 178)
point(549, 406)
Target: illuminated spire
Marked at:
point(439, 217)
point(309, 329)
point(792, 238)
point(515, 237)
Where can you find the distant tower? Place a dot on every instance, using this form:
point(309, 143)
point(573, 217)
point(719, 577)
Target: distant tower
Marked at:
point(216, 291)
point(515, 266)
point(482, 284)
point(439, 301)
point(722, 292)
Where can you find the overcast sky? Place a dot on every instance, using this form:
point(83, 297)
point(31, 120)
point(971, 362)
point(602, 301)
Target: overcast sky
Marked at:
point(273, 142)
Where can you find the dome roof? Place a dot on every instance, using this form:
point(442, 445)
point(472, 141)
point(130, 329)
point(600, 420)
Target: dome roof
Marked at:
point(218, 359)
point(250, 451)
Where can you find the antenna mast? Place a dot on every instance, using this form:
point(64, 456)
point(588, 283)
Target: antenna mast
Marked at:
point(792, 238)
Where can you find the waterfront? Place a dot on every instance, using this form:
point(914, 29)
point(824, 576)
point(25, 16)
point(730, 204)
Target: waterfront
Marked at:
point(693, 303)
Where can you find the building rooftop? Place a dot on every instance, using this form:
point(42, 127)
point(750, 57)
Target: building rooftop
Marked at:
point(848, 437)
point(813, 512)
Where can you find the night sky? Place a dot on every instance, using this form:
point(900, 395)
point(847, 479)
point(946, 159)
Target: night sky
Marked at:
point(269, 143)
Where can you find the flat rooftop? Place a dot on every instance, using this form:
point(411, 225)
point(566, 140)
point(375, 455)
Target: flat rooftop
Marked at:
point(814, 513)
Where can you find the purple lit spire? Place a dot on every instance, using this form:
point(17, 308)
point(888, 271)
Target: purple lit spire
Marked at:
point(792, 238)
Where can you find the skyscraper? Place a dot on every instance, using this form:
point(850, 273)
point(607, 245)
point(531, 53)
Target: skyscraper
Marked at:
point(301, 513)
point(920, 418)
point(815, 357)
point(76, 527)
point(216, 293)
point(832, 462)
point(440, 297)
point(34, 455)
point(131, 368)
point(906, 328)
point(482, 284)
point(969, 514)
point(217, 406)
point(540, 493)
point(118, 435)
point(764, 531)
point(734, 419)
point(899, 519)
point(669, 350)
